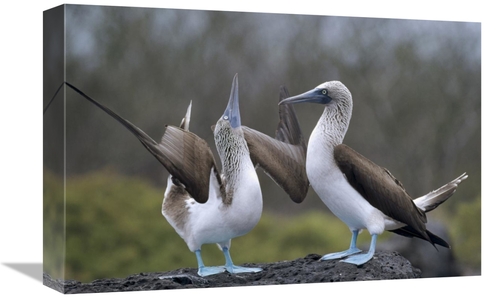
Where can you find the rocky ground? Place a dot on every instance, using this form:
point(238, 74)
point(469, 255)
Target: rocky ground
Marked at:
point(384, 265)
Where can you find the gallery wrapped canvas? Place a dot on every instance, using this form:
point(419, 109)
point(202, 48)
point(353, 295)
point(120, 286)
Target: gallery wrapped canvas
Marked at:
point(175, 155)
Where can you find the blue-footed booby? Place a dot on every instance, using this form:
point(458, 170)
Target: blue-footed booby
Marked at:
point(205, 205)
point(356, 190)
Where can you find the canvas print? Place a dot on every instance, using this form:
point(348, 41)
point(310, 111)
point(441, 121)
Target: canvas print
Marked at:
point(192, 148)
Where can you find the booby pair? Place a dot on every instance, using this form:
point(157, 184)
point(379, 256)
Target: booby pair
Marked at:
point(205, 205)
point(360, 193)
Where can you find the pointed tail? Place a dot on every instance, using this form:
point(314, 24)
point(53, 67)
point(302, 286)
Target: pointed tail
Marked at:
point(436, 197)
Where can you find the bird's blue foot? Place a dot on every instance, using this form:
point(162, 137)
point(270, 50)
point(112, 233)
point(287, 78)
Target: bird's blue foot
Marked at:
point(358, 259)
point(338, 255)
point(231, 268)
point(352, 249)
point(239, 269)
point(363, 258)
point(206, 271)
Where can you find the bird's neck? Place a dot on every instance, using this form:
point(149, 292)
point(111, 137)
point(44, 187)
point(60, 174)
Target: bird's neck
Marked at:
point(328, 133)
point(332, 126)
point(235, 157)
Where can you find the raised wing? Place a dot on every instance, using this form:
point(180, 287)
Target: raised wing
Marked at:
point(283, 158)
point(186, 156)
point(188, 159)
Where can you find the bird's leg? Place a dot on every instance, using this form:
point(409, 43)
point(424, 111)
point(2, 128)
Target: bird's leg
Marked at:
point(205, 271)
point(363, 258)
point(352, 249)
point(230, 267)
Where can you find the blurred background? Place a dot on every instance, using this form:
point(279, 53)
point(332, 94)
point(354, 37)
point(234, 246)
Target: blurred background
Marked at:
point(416, 87)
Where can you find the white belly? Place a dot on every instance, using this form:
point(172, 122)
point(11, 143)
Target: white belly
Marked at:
point(336, 193)
point(215, 222)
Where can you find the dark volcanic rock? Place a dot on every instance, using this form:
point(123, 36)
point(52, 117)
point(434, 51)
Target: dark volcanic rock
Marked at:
point(432, 261)
point(309, 269)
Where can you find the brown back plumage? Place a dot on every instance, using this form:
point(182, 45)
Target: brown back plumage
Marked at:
point(384, 192)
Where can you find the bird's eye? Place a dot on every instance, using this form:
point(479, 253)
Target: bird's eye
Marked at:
point(324, 92)
point(226, 117)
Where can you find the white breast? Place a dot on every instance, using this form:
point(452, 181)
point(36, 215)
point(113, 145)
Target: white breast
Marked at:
point(335, 191)
point(215, 222)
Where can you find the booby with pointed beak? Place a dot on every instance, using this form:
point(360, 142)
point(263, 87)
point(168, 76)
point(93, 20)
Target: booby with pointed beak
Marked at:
point(356, 190)
point(205, 205)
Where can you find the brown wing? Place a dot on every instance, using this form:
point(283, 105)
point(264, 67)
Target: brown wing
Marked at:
point(288, 129)
point(186, 156)
point(188, 159)
point(283, 158)
point(380, 188)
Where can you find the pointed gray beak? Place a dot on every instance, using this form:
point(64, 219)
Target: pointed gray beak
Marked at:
point(232, 112)
point(315, 96)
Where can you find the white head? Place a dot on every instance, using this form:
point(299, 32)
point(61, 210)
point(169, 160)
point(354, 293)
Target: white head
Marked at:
point(338, 106)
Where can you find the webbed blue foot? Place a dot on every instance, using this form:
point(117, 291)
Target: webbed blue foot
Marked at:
point(341, 254)
point(240, 269)
point(231, 268)
point(358, 259)
point(352, 249)
point(363, 258)
point(206, 271)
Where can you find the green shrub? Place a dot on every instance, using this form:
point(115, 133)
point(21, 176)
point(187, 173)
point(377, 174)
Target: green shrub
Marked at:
point(53, 225)
point(466, 233)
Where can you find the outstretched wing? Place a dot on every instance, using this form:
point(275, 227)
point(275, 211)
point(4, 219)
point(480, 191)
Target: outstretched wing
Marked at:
point(283, 158)
point(186, 156)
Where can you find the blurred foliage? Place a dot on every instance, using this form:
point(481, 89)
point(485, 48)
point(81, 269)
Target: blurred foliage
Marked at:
point(53, 225)
point(114, 228)
point(108, 217)
point(465, 229)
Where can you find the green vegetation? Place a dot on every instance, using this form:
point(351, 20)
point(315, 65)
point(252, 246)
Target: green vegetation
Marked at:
point(53, 225)
point(115, 229)
point(466, 233)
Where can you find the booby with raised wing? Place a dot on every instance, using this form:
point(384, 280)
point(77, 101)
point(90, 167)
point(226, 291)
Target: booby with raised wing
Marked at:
point(205, 205)
point(360, 193)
